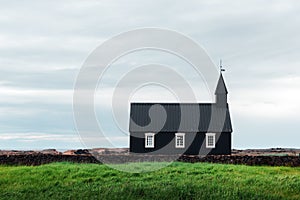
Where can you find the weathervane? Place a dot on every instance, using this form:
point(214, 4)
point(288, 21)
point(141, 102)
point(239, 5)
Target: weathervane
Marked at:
point(221, 67)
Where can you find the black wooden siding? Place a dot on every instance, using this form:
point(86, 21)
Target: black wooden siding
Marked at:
point(165, 144)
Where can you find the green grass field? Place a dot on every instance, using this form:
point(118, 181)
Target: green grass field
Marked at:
point(177, 181)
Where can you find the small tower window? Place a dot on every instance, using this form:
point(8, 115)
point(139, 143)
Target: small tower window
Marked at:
point(210, 140)
point(149, 140)
point(179, 140)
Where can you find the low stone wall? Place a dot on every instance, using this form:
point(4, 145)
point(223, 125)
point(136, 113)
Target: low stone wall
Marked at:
point(293, 161)
point(39, 158)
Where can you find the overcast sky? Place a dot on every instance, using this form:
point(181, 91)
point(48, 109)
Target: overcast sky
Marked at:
point(43, 44)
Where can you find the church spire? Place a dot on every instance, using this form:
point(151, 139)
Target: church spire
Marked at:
point(221, 87)
point(221, 90)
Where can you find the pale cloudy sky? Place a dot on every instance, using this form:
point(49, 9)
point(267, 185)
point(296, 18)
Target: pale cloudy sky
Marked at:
point(43, 44)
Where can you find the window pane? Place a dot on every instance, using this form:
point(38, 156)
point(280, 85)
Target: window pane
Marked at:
point(179, 140)
point(149, 140)
point(210, 140)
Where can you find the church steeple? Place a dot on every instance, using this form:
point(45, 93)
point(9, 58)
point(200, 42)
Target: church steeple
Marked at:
point(221, 87)
point(221, 92)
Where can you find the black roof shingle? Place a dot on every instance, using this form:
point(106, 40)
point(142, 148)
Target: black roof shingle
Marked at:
point(221, 87)
point(179, 117)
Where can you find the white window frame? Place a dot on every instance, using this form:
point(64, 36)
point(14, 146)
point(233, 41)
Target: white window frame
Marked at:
point(146, 138)
point(176, 136)
point(214, 139)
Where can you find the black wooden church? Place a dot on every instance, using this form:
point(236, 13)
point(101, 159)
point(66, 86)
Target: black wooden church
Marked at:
point(182, 128)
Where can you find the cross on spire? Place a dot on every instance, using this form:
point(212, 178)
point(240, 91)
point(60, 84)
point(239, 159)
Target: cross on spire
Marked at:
point(221, 67)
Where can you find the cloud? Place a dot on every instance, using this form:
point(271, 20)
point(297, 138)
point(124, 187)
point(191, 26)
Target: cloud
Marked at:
point(60, 140)
point(44, 44)
point(38, 136)
point(275, 98)
point(22, 96)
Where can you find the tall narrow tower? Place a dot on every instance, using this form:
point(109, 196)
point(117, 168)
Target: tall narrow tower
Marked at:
point(221, 92)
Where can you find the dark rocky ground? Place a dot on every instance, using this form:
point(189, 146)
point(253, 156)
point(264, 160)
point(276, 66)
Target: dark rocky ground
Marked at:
point(271, 157)
point(267, 152)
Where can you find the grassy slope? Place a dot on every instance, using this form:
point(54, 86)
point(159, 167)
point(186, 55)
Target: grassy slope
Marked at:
point(177, 181)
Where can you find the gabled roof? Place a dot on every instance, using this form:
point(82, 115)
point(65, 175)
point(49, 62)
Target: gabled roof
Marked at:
point(221, 87)
point(196, 117)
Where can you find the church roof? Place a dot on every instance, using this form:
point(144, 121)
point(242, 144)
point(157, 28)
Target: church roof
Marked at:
point(221, 87)
point(179, 117)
